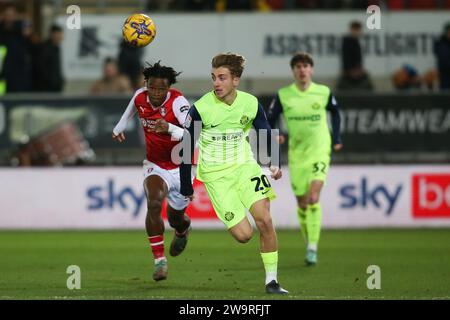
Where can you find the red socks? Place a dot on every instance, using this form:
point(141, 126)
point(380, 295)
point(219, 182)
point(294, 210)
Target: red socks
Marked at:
point(157, 245)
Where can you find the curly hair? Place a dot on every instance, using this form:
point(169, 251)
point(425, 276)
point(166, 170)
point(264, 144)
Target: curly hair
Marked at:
point(234, 62)
point(156, 70)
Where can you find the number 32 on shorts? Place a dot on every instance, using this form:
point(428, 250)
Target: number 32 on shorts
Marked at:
point(319, 167)
point(261, 180)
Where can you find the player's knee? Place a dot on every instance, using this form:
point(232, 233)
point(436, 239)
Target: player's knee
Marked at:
point(302, 202)
point(264, 224)
point(313, 198)
point(176, 220)
point(244, 237)
point(173, 221)
point(154, 206)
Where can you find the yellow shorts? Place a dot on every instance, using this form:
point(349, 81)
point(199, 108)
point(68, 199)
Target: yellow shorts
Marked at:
point(302, 173)
point(232, 195)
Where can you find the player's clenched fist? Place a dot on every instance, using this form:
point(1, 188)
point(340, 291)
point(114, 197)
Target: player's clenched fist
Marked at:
point(161, 126)
point(281, 139)
point(276, 172)
point(120, 137)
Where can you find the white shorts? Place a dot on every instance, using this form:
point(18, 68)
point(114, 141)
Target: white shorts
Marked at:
point(172, 179)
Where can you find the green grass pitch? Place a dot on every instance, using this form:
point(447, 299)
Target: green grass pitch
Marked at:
point(415, 264)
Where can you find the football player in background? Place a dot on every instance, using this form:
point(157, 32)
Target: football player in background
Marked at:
point(304, 105)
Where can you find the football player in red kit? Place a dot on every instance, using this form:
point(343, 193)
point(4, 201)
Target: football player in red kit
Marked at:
point(162, 112)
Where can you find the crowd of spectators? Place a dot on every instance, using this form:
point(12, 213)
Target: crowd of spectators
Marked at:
point(28, 63)
point(270, 5)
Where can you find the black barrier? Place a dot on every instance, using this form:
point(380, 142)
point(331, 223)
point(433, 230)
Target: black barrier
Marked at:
point(371, 124)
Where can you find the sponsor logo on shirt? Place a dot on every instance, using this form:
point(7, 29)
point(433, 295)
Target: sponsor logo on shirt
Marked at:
point(227, 137)
point(314, 117)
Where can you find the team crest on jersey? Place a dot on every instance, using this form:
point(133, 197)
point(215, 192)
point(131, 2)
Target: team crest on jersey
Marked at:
point(229, 216)
point(315, 106)
point(163, 111)
point(244, 120)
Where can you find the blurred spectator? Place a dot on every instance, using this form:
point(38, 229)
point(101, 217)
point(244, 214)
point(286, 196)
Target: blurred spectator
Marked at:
point(48, 76)
point(442, 52)
point(359, 4)
point(306, 4)
point(330, 4)
point(112, 81)
point(14, 39)
point(199, 5)
point(162, 5)
point(354, 76)
point(430, 78)
point(406, 78)
point(275, 4)
point(3, 51)
point(35, 53)
point(234, 5)
point(422, 4)
point(395, 4)
point(130, 64)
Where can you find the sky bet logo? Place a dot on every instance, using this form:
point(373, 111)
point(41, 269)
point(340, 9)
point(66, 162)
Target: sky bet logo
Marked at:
point(365, 195)
point(110, 197)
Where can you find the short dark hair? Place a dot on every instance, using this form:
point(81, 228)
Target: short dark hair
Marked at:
point(55, 28)
point(9, 5)
point(302, 57)
point(156, 70)
point(234, 62)
point(109, 60)
point(355, 25)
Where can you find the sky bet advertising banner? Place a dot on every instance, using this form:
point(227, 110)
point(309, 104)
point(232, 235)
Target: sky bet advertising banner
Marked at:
point(113, 198)
point(267, 41)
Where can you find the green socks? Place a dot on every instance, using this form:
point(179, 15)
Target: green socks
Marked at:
point(310, 224)
point(270, 260)
point(302, 218)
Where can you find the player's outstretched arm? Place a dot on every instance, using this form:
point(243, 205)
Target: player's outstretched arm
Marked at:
point(120, 127)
